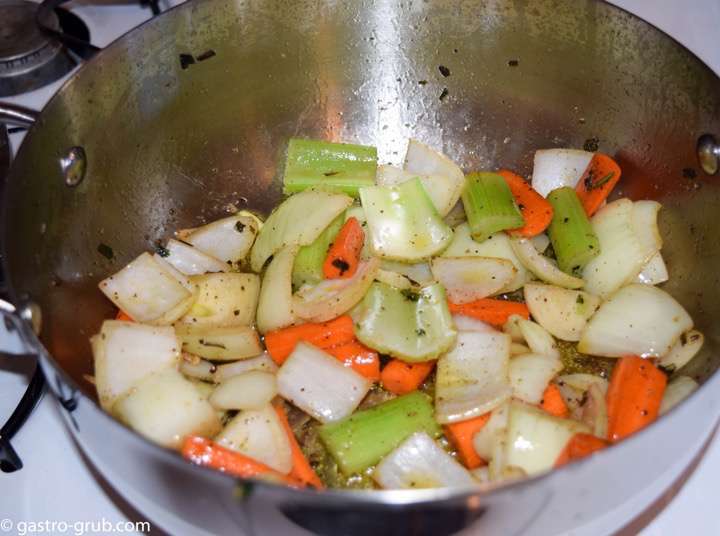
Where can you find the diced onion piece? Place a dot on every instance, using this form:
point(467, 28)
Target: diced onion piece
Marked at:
point(497, 246)
point(412, 325)
point(654, 272)
point(418, 462)
point(540, 242)
point(228, 240)
point(263, 363)
point(297, 221)
point(512, 328)
point(468, 279)
point(555, 168)
point(677, 391)
point(224, 299)
point(644, 216)
point(543, 267)
point(402, 222)
point(250, 390)
point(421, 159)
point(582, 382)
point(165, 407)
point(259, 434)
point(127, 352)
point(561, 311)
point(320, 385)
point(194, 367)
point(219, 344)
point(456, 216)
point(680, 354)
point(638, 319)
point(517, 348)
point(275, 304)
point(333, 297)
point(191, 261)
point(418, 273)
point(536, 438)
point(472, 378)
point(481, 474)
point(537, 338)
point(530, 375)
point(467, 323)
point(594, 411)
point(393, 279)
point(145, 289)
point(622, 254)
point(440, 189)
point(492, 435)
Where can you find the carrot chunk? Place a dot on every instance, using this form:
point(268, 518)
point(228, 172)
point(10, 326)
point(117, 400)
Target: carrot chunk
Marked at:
point(495, 312)
point(400, 377)
point(301, 469)
point(579, 446)
point(362, 359)
point(536, 210)
point(634, 395)
point(553, 401)
point(461, 435)
point(597, 182)
point(280, 343)
point(344, 254)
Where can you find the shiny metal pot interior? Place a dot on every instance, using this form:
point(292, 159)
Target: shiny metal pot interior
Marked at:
point(171, 144)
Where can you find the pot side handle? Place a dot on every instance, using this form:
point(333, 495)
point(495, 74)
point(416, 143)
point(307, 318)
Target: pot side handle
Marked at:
point(17, 116)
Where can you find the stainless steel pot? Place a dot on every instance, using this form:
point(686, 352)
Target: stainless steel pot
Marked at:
point(141, 141)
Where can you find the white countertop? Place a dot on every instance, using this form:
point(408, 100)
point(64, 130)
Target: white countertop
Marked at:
point(57, 484)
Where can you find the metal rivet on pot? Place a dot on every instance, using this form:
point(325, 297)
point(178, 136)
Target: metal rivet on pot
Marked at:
point(73, 166)
point(30, 312)
point(708, 151)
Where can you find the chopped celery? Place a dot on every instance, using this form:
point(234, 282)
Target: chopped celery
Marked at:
point(573, 239)
point(403, 222)
point(362, 439)
point(339, 167)
point(407, 324)
point(489, 205)
point(308, 267)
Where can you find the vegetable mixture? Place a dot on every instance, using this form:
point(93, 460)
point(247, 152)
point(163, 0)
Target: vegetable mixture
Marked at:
point(408, 327)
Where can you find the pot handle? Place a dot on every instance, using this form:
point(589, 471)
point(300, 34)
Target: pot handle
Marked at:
point(17, 116)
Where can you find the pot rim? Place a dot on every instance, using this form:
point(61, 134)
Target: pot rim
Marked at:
point(356, 497)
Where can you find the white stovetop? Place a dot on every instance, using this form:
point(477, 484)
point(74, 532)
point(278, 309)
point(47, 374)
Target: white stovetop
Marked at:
point(57, 484)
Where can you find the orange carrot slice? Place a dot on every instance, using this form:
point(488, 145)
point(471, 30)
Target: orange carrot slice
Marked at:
point(281, 343)
point(461, 435)
point(362, 359)
point(301, 469)
point(495, 312)
point(579, 446)
point(400, 377)
point(344, 254)
point(634, 395)
point(122, 315)
point(597, 182)
point(203, 451)
point(536, 210)
point(553, 401)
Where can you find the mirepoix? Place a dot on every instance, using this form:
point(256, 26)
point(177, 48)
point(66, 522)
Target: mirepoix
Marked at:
point(402, 327)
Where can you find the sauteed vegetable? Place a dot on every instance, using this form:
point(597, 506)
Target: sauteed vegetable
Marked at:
point(407, 327)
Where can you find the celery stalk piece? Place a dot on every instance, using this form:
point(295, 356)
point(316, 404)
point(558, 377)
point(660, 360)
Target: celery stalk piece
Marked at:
point(410, 325)
point(403, 222)
point(308, 267)
point(361, 440)
point(339, 167)
point(573, 239)
point(489, 205)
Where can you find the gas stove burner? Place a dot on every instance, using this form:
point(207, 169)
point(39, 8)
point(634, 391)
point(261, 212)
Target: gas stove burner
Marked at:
point(29, 57)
